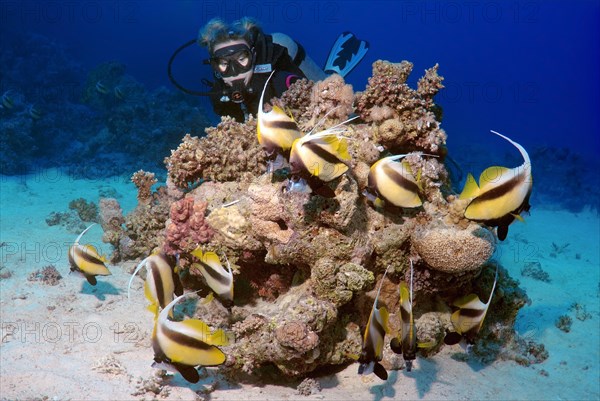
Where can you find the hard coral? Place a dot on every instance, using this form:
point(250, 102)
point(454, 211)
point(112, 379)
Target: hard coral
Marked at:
point(111, 219)
point(409, 119)
point(452, 250)
point(87, 211)
point(187, 227)
point(299, 258)
point(229, 152)
point(331, 97)
point(143, 181)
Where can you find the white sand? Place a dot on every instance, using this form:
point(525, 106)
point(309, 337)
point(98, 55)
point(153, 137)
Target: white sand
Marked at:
point(53, 336)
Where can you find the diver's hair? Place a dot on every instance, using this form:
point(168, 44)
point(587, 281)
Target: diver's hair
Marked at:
point(216, 31)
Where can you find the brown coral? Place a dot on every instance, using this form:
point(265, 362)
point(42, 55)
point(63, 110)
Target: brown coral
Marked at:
point(452, 250)
point(297, 336)
point(331, 97)
point(411, 124)
point(229, 152)
point(143, 181)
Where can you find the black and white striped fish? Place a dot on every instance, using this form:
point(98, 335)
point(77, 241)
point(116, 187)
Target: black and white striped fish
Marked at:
point(393, 182)
point(275, 130)
point(162, 280)
point(468, 319)
point(407, 344)
point(502, 194)
point(85, 260)
point(372, 349)
point(218, 279)
point(181, 346)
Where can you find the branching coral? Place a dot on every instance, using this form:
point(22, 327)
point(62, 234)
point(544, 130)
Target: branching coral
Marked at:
point(143, 181)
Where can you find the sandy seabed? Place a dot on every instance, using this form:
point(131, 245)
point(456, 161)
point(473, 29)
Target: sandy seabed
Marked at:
point(73, 341)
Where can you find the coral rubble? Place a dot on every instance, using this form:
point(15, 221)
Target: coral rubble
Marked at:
point(306, 266)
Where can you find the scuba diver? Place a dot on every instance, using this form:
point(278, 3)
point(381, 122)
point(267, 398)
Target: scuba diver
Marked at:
point(242, 57)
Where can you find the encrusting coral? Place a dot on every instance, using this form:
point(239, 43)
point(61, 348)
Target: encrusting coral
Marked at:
point(305, 266)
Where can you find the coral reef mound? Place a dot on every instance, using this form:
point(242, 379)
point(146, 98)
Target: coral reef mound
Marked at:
point(306, 266)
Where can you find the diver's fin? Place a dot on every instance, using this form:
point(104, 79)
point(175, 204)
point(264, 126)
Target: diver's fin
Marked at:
point(345, 54)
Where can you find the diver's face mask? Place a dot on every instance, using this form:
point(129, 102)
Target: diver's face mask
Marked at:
point(234, 64)
point(232, 61)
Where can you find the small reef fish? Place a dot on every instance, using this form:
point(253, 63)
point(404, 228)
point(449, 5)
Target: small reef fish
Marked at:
point(372, 349)
point(276, 130)
point(162, 280)
point(468, 319)
point(322, 155)
point(101, 88)
point(502, 194)
point(407, 343)
point(217, 278)
point(84, 259)
point(180, 346)
point(392, 181)
point(7, 100)
point(34, 112)
point(119, 93)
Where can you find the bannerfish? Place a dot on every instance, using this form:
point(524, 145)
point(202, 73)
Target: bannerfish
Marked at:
point(217, 278)
point(180, 346)
point(502, 194)
point(84, 259)
point(119, 94)
point(372, 348)
point(322, 155)
point(468, 319)
point(276, 130)
point(162, 280)
point(7, 100)
point(101, 88)
point(34, 112)
point(392, 181)
point(407, 343)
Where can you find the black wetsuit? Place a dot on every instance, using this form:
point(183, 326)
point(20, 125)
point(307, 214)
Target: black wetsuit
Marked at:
point(267, 53)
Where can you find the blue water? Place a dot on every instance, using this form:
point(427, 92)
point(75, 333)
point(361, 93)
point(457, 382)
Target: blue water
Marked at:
point(528, 69)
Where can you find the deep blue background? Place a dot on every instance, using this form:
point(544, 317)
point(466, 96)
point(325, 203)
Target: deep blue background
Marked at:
point(528, 69)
